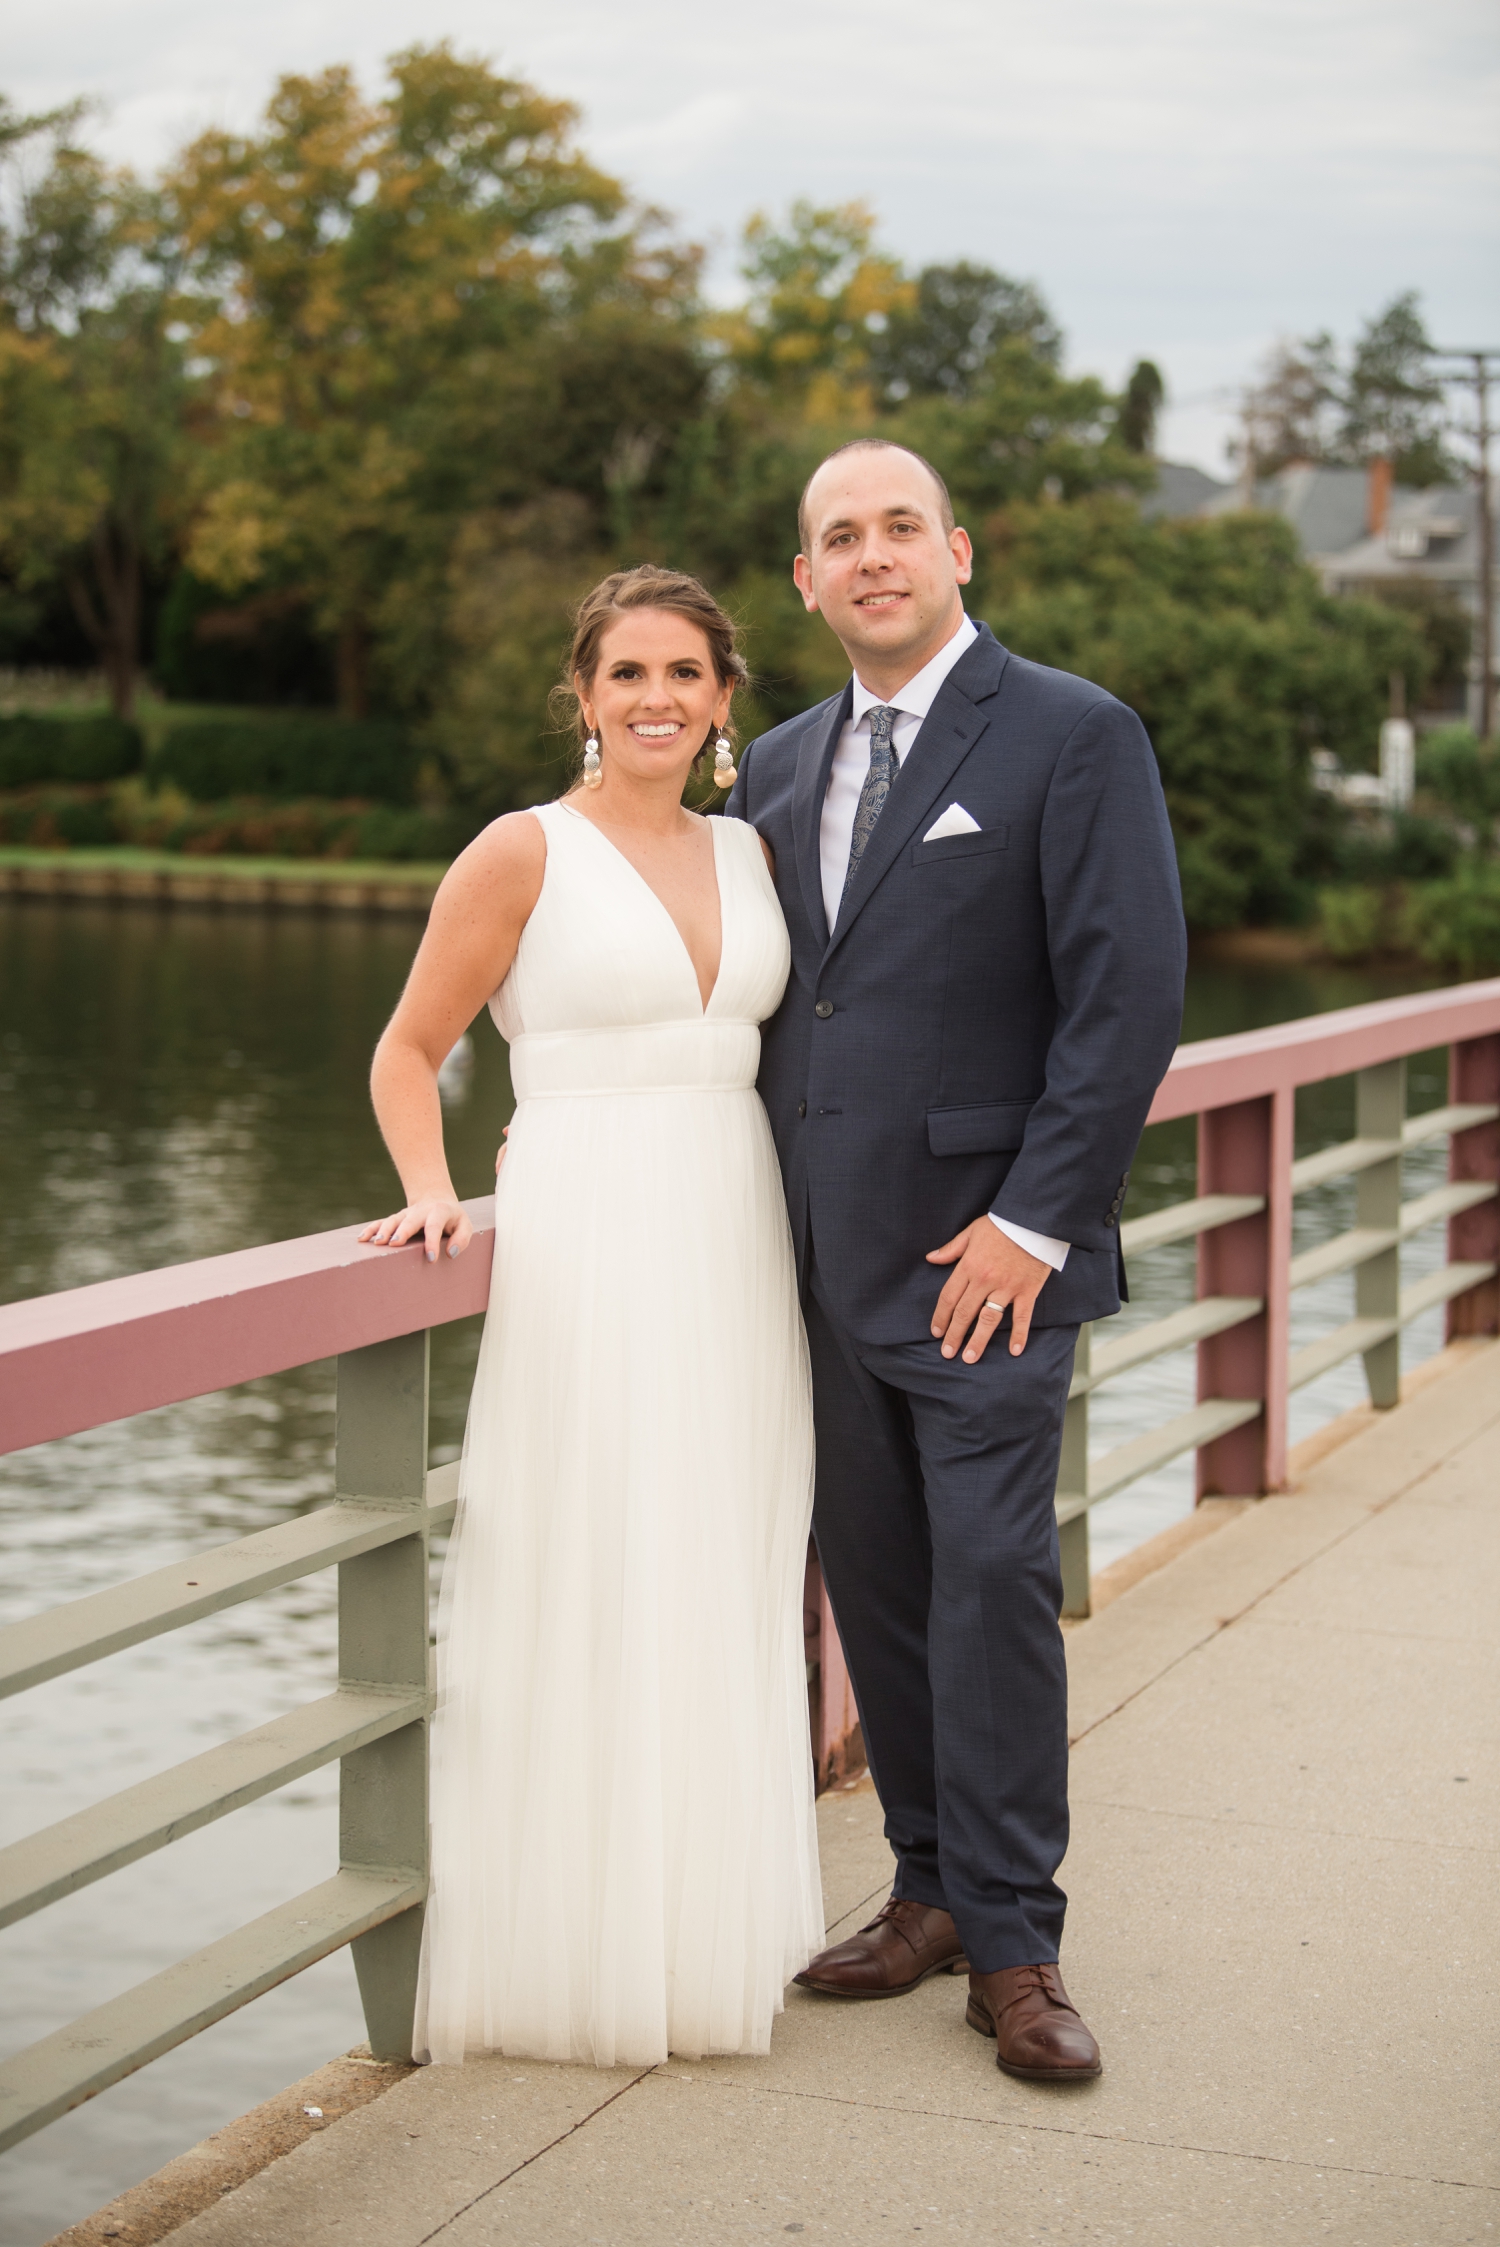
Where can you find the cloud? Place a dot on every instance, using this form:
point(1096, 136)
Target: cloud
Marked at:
point(1185, 178)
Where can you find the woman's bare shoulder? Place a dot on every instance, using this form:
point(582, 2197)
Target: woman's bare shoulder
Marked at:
point(502, 868)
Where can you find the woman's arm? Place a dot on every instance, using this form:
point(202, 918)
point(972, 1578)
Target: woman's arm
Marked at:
point(487, 897)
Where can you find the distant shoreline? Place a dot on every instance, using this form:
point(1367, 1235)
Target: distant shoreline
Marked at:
point(166, 878)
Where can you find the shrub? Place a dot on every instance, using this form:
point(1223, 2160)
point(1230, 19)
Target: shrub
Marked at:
point(1456, 923)
point(1464, 774)
point(1353, 921)
point(34, 749)
point(57, 818)
point(287, 758)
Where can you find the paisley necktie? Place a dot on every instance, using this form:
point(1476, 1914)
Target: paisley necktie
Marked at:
point(875, 790)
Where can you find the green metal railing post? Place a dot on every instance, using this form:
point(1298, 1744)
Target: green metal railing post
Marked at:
point(381, 1456)
point(1073, 1482)
point(1379, 1112)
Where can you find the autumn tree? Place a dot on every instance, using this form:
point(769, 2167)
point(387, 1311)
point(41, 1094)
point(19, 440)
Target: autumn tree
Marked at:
point(91, 385)
point(388, 292)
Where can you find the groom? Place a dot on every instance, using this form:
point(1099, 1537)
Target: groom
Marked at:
point(974, 861)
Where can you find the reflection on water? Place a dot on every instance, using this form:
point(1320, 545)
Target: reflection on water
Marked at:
point(179, 1085)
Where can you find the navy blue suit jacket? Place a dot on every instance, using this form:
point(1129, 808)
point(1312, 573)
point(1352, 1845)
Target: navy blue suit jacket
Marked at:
point(986, 1027)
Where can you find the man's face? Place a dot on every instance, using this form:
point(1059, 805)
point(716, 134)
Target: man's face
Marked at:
point(878, 563)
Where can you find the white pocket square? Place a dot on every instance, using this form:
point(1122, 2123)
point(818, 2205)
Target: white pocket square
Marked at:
point(955, 821)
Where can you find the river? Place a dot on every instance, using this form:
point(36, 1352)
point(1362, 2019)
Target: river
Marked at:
point(175, 1085)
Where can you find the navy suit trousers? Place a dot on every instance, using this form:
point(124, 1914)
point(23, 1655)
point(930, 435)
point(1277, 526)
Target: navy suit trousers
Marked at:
point(936, 1532)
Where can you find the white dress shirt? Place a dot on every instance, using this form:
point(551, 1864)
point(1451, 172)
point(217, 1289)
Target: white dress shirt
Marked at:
point(851, 763)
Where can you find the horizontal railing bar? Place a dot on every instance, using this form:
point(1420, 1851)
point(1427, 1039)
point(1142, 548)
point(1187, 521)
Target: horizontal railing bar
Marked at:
point(85, 1630)
point(108, 1835)
point(1180, 1220)
point(1353, 1155)
point(1356, 1335)
point(1144, 1454)
point(1437, 1122)
point(1329, 1350)
point(442, 1494)
point(1342, 1161)
point(1357, 1246)
point(1362, 1242)
point(77, 2062)
point(1444, 1201)
point(1441, 1287)
point(1212, 1314)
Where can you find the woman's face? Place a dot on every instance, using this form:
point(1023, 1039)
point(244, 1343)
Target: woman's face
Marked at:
point(655, 698)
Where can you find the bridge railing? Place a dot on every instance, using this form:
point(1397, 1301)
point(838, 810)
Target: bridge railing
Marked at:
point(77, 1360)
point(1243, 1090)
point(96, 1354)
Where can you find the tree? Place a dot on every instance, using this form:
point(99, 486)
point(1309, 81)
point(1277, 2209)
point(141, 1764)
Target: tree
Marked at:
point(820, 294)
point(1223, 642)
point(1385, 404)
point(1393, 404)
point(1289, 415)
point(385, 290)
point(940, 344)
point(91, 388)
point(1145, 394)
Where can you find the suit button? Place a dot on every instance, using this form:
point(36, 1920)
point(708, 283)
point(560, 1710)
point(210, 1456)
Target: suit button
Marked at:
point(1109, 1220)
point(802, 1107)
point(822, 1008)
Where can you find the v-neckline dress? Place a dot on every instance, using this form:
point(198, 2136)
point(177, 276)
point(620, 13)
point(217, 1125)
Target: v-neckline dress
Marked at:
point(623, 1846)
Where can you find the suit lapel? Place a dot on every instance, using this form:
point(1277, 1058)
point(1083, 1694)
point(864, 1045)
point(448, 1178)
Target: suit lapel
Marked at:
point(814, 764)
point(949, 731)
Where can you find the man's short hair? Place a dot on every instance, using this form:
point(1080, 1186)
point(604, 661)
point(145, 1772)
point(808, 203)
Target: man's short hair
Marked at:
point(875, 445)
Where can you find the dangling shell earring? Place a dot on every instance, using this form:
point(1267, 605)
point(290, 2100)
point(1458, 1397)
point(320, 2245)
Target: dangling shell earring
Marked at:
point(726, 773)
point(592, 776)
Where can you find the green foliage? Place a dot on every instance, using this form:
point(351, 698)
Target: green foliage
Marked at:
point(256, 650)
point(58, 818)
point(1386, 403)
point(92, 392)
point(1355, 921)
point(940, 343)
point(35, 748)
point(287, 757)
point(1456, 924)
point(1225, 645)
point(1463, 774)
point(1145, 394)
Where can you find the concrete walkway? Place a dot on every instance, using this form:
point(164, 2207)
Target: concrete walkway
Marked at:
point(1285, 1931)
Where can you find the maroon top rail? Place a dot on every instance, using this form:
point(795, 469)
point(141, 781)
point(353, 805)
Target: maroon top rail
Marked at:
point(1217, 1072)
point(92, 1354)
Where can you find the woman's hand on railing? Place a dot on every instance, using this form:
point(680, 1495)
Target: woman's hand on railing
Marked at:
point(436, 1219)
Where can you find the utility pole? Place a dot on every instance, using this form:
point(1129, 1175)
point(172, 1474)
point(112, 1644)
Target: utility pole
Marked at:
point(1484, 364)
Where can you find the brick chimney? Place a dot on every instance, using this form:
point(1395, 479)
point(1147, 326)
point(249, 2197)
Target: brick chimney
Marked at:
point(1378, 499)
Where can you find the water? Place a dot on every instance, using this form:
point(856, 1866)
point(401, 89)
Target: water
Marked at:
point(179, 1085)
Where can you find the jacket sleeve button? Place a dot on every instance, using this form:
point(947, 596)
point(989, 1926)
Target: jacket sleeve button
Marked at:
point(822, 1008)
point(802, 1107)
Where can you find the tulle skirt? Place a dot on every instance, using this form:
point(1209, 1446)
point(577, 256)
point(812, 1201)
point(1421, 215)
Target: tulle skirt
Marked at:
point(624, 1852)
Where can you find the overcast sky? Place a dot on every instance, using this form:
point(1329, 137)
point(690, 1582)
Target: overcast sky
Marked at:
point(1186, 179)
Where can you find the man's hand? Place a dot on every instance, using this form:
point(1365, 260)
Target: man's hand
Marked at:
point(991, 1272)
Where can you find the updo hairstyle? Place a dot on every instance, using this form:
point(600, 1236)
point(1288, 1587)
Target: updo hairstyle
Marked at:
point(646, 587)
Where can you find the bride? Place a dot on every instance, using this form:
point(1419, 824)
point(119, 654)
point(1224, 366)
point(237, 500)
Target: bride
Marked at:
point(623, 1848)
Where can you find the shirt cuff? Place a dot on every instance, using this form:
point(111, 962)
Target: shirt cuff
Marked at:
point(1050, 1251)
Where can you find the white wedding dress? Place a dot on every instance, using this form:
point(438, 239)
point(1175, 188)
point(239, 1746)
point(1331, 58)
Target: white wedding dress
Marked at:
point(624, 1853)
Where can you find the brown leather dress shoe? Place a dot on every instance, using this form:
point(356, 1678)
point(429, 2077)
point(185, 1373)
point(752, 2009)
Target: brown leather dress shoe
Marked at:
point(1038, 2033)
point(903, 1944)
